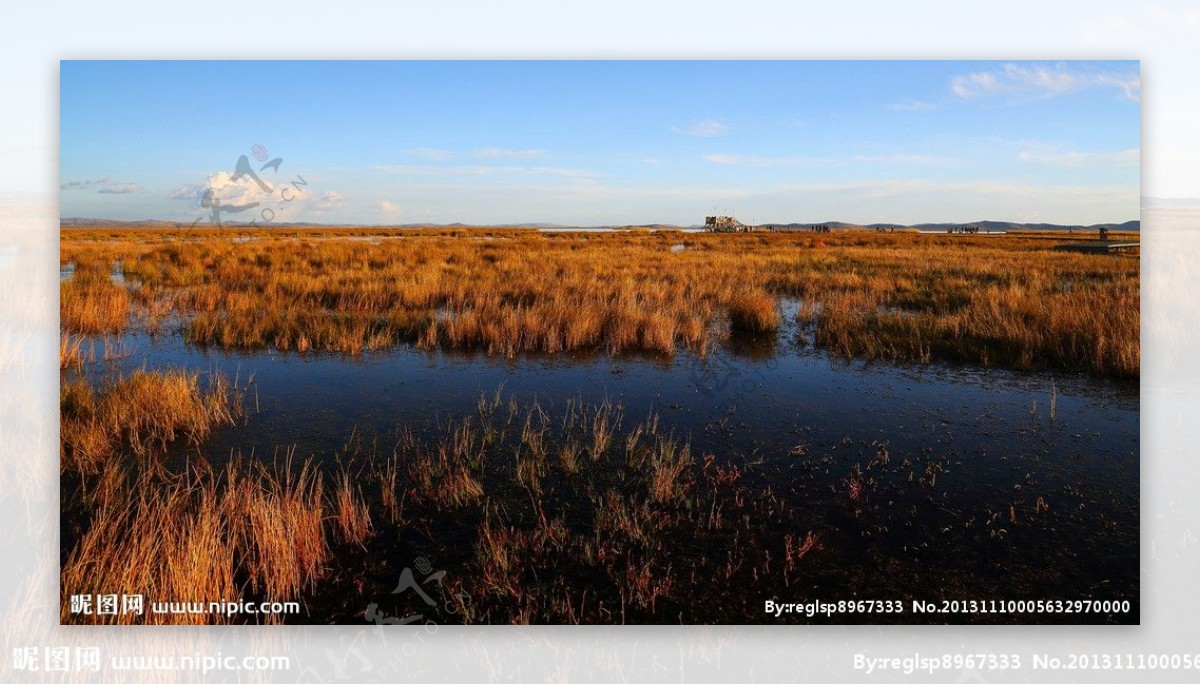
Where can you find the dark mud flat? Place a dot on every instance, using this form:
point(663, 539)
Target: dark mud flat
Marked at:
point(807, 479)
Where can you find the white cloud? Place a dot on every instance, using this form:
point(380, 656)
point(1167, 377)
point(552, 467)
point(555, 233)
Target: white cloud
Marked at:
point(231, 191)
point(973, 85)
point(389, 207)
point(243, 199)
point(1041, 80)
point(503, 153)
point(907, 160)
point(704, 129)
point(327, 200)
point(81, 185)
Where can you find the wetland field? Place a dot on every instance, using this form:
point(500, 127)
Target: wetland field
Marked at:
point(487, 425)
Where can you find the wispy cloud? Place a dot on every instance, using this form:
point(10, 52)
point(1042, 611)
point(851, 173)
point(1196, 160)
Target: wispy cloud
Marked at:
point(912, 188)
point(122, 189)
point(389, 207)
point(504, 153)
point(1041, 80)
point(1070, 158)
point(81, 185)
point(759, 161)
point(704, 129)
point(104, 186)
point(328, 200)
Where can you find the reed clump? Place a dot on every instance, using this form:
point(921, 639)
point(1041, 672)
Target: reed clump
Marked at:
point(754, 312)
point(200, 538)
point(142, 413)
point(351, 514)
point(92, 307)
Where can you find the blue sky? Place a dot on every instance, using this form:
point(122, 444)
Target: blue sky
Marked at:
point(603, 142)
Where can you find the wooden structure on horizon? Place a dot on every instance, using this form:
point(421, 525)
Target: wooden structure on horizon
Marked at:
point(725, 224)
point(1105, 245)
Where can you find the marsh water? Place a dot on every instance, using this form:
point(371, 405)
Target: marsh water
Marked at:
point(1030, 481)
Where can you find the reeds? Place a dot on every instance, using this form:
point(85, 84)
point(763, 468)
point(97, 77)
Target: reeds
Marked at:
point(352, 517)
point(754, 312)
point(1008, 301)
point(202, 539)
point(524, 513)
point(70, 352)
point(93, 306)
point(669, 463)
point(285, 540)
point(142, 412)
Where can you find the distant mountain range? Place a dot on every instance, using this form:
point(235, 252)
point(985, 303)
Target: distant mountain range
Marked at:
point(987, 225)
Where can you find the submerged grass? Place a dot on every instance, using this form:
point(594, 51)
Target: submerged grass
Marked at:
point(539, 513)
point(993, 300)
point(616, 514)
point(70, 352)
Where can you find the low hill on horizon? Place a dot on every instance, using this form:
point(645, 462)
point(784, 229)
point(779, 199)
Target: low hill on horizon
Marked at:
point(986, 225)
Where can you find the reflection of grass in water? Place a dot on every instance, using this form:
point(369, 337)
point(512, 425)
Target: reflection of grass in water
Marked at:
point(631, 525)
point(1009, 301)
point(593, 540)
point(70, 352)
point(637, 533)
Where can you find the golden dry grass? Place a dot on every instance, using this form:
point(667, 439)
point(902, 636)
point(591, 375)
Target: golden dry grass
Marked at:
point(351, 513)
point(92, 307)
point(996, 300)
point(203, 538)
point(70, 352)
point(189, 536)
point(141, 412)
point(588, 489)
point(755, 312)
